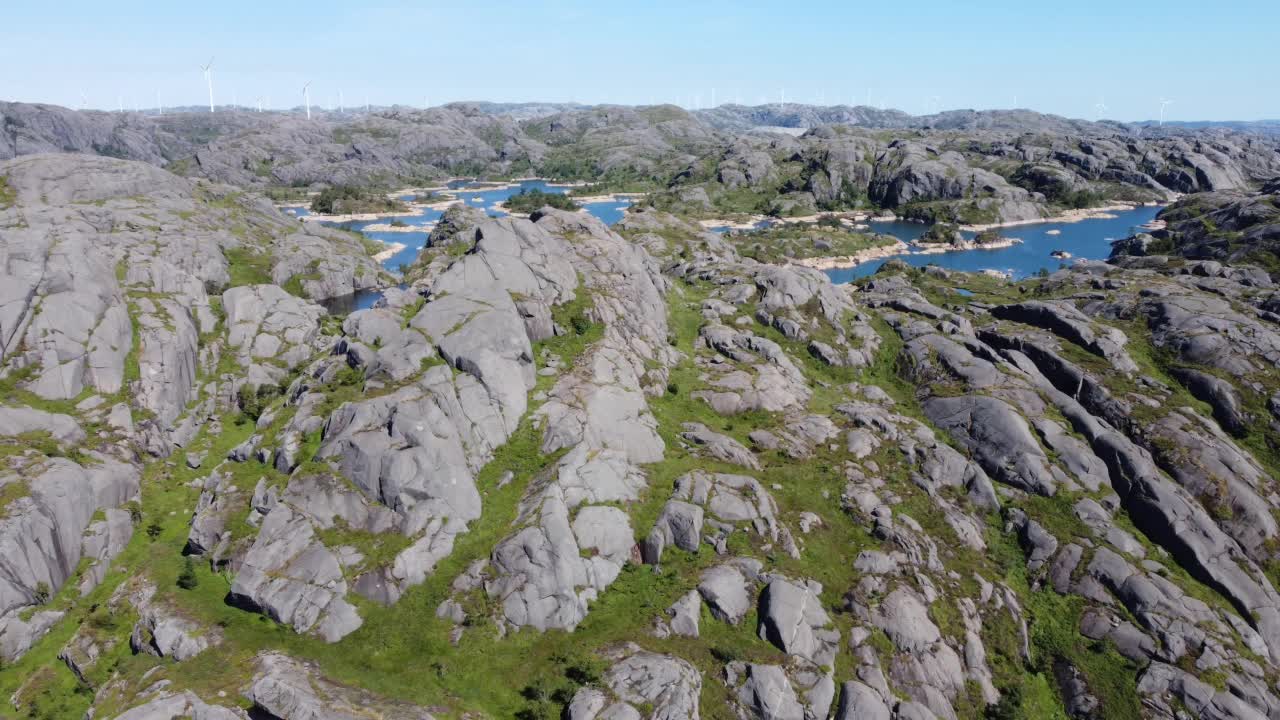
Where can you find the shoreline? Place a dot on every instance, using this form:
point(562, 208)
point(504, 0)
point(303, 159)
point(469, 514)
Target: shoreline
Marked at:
point(358, 217)
point(943, 248)
point(390, 252)
point(1070, 216)
point(855, 220)
point(849, 261)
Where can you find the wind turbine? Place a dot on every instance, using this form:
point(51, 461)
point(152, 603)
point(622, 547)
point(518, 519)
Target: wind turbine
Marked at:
point(120, 98)
point(259, 103)
point(208, 78)
point(159, 105)
point(1100, 107)
point(1163, 103)
point(84, 101)
point(306, 98)
point(937, 103)
point(339, 102)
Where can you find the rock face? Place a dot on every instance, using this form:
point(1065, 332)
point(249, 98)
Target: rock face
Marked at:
point(792, 618)
point(1230, 225)
point(294, 578)
point(598, 412)
point(669, 687)
point(48, 529)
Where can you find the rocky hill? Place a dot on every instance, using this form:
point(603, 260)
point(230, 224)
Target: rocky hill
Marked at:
point(569, 471)
point(1229, 226)
point(961, 166)
point(970, 177)
point(739, 118)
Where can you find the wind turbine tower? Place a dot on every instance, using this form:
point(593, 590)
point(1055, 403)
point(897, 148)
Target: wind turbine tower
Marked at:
point(208, 79)
point(306, 98)
point(1163, 103)
point(1100, 108)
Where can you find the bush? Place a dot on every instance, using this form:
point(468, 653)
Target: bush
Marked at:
point(254, 402)
point(154, 529)
point(342, 199)
point(527, 201)
point(580, 324)
point(187, 579)
point(986, 237)
point(42, 593)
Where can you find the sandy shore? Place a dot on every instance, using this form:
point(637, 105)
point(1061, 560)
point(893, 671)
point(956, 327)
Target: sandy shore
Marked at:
point(611, 197)
point(390, 252)
point(1069, 216)
point(389, 228)
point(359, 217)
point(748, 224)
point(847, 261)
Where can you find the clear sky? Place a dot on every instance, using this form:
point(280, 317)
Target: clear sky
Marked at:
point(1215, 60)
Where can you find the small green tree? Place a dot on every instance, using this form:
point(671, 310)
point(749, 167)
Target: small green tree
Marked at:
point(154, 529)
point(42, 593)
point(187, 579)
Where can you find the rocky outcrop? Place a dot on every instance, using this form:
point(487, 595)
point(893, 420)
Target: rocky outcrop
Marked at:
point(49, 529)
point(666, 686)
point(599, 413)
point(291, 689)
point(290, 575)
point(166, 706)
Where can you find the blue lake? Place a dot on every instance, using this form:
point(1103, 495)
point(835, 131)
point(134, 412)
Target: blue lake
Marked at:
point(1086, 239)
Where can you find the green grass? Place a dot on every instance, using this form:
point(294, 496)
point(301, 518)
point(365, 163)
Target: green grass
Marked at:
point(7, 194)
point(247, 266)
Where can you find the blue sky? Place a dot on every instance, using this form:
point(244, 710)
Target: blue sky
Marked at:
point(1216, 61)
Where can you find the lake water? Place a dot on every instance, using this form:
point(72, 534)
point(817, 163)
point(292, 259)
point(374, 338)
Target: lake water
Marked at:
point(1086, 239)
point(478, 195)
